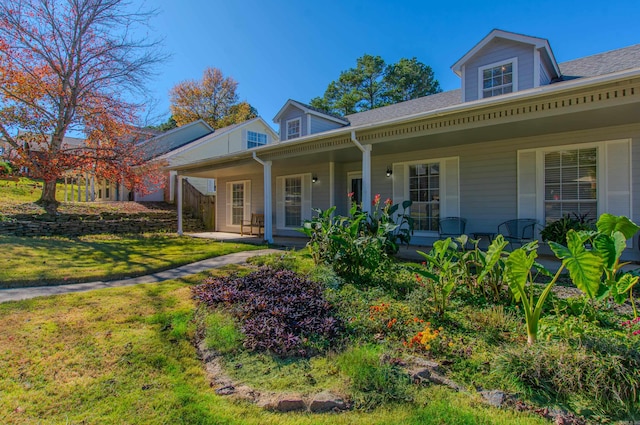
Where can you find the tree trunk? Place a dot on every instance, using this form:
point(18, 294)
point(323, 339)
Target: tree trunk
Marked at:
point(48, 198)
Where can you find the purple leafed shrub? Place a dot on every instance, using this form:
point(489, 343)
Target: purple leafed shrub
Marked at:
point(280, 311)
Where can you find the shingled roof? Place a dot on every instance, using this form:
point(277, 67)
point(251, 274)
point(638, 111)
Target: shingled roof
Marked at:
point(602, 63)
point(589, 66)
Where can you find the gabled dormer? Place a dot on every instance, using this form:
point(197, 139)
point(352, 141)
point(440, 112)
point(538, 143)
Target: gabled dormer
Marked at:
point(297, 119)
point(505, 62)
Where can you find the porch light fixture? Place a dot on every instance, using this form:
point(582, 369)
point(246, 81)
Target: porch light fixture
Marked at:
point(314, 179)
point(389, 172)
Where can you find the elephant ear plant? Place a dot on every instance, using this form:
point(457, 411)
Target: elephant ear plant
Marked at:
point(519, 275)
point(596, 271)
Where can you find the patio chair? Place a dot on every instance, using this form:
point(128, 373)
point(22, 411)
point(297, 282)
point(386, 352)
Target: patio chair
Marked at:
point(451, 227)
point(519, 230)
point(257, 222)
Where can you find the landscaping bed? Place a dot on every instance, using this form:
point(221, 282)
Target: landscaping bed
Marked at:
point(325, 321)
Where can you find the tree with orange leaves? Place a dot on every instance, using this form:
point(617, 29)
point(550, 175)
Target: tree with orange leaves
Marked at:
point(212, 99)
point(73, 66)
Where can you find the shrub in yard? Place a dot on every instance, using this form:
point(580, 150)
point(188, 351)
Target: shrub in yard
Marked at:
point(280, 311)
point(594, 378)
point(5, 168)
point(374, 380)
point(556, 231)
point(358, 245)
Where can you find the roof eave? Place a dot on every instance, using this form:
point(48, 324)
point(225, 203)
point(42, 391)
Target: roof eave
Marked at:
point(463, 107)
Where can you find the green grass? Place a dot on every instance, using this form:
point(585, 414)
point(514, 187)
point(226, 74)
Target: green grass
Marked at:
point(125, 356)
point(221, 333)
point(52, 260)
point(27, 190)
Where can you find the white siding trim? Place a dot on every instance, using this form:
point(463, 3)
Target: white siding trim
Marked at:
point(536, 67)
point(308, 124)
point(464, 85)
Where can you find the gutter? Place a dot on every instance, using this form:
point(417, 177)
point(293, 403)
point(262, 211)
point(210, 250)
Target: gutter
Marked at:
point(353, 139)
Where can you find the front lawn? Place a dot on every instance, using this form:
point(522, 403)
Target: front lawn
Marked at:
point(125, 356)
point(52, 260)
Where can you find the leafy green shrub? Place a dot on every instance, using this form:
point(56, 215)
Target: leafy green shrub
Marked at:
point(359, 245)
point(556, 231)
point(374, 381)
point(601, 377)
point(221, 333)
point(281, 312)
point(5, 168)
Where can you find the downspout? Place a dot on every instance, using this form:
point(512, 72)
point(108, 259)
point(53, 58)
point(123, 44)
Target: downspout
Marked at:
point(366, 172)
point(268, 210)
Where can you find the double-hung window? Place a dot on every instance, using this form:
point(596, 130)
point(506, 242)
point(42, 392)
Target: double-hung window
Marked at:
point(255, 139)
point(498, 78)
point(424, 192)
point(570, 183)
point(293, 201)
point(293, 128)
point(583, 179)
point(237, 203)
point(433, 186)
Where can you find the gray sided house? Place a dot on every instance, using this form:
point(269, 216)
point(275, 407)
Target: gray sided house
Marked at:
point(524, 137)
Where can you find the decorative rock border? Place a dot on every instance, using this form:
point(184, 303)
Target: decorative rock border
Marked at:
point(421, 371)
point(321, 402)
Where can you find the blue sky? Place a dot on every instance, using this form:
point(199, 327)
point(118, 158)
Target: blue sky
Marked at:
point(284, 49)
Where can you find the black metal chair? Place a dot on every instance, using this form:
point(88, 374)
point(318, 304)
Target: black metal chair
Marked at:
point(451, 227)
point(519, 230)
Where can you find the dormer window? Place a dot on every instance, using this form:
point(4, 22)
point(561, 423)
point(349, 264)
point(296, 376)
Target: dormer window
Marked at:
point(498, 78)
point(255, 139)
point(293, 128)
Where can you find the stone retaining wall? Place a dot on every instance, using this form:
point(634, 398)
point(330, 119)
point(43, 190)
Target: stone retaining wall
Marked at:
point(78, 225)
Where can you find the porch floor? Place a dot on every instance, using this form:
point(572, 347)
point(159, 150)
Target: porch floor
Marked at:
point(405, 253)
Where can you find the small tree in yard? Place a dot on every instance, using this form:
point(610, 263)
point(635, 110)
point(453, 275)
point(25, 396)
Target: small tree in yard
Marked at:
point(73, 65)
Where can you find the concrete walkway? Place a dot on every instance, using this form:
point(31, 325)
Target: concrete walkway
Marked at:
point(15, 294)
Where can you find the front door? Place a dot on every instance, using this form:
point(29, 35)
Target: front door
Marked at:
point(355, 187)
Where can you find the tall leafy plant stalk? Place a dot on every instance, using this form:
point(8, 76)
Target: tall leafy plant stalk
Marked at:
point(518, 272)
point(442, 272)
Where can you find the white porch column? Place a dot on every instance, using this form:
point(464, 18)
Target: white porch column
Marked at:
point(366, 178)
point(79, 187)
point(268, 207)
point(332, 184)
point(179, 205)
point(93, 188)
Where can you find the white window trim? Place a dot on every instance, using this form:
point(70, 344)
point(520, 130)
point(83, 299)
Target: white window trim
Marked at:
point(286, 128)
point(601, 167)
point(245, 201)
point(246, 145)
point(441, 188)
point(514, 74)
